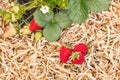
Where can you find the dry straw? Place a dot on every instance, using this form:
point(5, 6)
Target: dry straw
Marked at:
point(23, 59)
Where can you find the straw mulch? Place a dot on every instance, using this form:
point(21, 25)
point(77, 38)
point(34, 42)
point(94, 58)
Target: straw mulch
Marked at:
point(23, 59)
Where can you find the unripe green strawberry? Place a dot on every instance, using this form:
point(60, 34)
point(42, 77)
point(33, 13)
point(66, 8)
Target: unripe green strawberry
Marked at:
point(10, 31)
point(19, 16)
point(1, 12)
point(38, 35)
point(13, 18)
point(22, 11)
point(15, 9)
point(25, 30)
point(7, 16)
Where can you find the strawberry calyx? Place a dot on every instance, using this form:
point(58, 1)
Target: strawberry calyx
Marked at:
point(78, 58)
point(69, 46)
point(75, 55)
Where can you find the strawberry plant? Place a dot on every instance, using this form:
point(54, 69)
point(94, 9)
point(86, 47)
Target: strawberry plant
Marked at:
point(53, 16)
point(62, 13)
point(38, 35)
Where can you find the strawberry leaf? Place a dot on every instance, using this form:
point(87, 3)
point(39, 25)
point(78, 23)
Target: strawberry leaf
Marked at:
point(78, 11)
point(53, 24)
point(97, 5)
point(53, 3)
point(62, 20)
point(42, 19)
point(52, 32)
point(53, 29)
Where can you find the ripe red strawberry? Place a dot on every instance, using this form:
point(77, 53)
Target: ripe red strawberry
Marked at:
point(33, 26)
point(78, 58)
point(64, 54)
point(82, 48)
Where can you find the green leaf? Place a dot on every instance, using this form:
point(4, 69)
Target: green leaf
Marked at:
point(52, 3)
point(53, 24)
point(97, 5)
point(52, 32)
point(42, 19)
point(62, 20)
point(78, 11)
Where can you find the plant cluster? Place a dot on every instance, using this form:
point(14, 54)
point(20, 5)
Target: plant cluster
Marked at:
point(12, 14)
point(57, 15)
point(50, 18)
point(53, 16)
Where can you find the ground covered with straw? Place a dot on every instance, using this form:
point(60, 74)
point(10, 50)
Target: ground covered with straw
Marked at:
point(23, 59)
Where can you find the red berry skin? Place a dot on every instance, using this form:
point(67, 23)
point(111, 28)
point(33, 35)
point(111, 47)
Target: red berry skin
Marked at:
point(65, 54)
point(82, 48)
point(79, 60)
point(33, 26)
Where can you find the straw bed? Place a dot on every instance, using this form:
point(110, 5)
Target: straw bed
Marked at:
point(23, 59)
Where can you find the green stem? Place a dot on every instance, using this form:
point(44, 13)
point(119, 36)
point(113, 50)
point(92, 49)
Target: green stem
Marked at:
point(35, 3)
point(25, 4)
point(30, 5)
point(25, 20)
point(75, 55)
